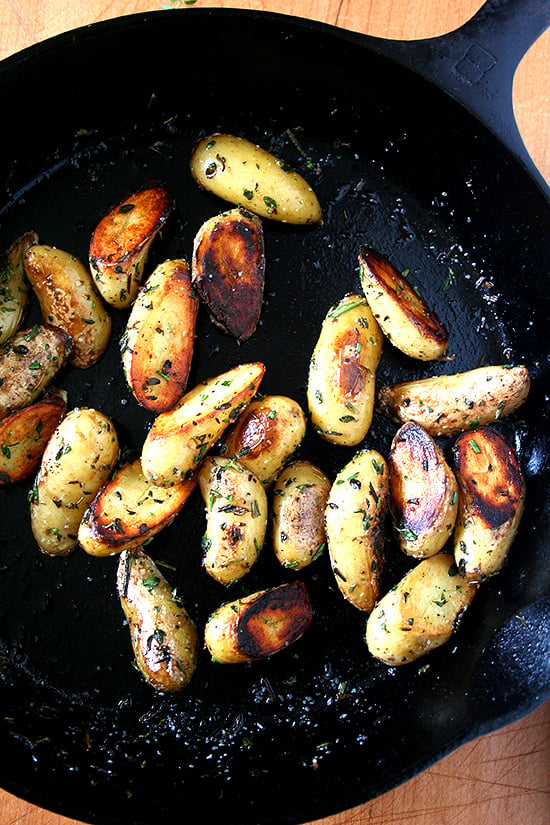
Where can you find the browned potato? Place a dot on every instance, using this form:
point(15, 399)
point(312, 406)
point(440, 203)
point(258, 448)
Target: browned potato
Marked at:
point(69, 300)
point(242, 173)
point(15, 290)
point(420, 613)
point(28, 363)
point(180, 438)
point(128, 510)
point(354, 517)
point(236, 518)
point(265, 435)
point(491, 501)
point(259, 625)
point(157, 347)
point(121, 241)
point(423, 492)
point(450, 404)
point(77, 461)
point(229, 270)
point(164, 638)
point(24, 435)
point(299, 499)
point(402, 313)
point(340, 390)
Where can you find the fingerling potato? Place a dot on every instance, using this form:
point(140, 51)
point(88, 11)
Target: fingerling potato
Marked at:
point(402, 313)
point(236, 518)
point(340, 390)
point(163, 635)
point(157, 347)
point(15, 289)
point(29, 361)
point(128, 510)
point(258, 625)
point(450, 404)
point(229, 270)
point(423, 492)
point(299, 500)
point(179, 439)
point(265, 435)
point(242, 173)
point(24, 435)
point(69, 300)
point(121, 241)
point(420, 613)
point(354, 518)
point(78, 459)
point(491, 501)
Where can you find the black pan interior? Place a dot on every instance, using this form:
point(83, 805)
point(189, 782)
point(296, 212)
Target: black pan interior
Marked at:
point(396, 164)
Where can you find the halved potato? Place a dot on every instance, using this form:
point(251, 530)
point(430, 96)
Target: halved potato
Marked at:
point(423, 492)
point(229, 270)
point(299, 500)
point(78, 459)
point(121, 241)
point(29, 361)
point(340, 390)
point(491, 501)
point(179, 439)
point(420, 613)
point(236, 518)
point(247, 175)
point(265, 435)
point(450, 404)
point(157, 346)
point(163, 635)
point(128, 510)
point(24, 435)
point(258, 625)
point(15, 290)
point(69, 300)
point(402, 313)
point(354, 517)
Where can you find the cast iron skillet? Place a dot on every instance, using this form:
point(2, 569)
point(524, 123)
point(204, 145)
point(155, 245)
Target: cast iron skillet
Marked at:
point(92, 115)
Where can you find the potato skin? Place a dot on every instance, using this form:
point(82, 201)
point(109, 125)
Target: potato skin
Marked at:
point(78, 459)
point(128, 510)
point(340, 391)
point(179, 439)
point(24, 435)
point(229, 270)
point(420, 613)
point(164, 637)
point(69, 300)
point(258, 625)
point(450, 404)
point(242, 173)
point(403, 315)
point(121, 242)
point(157, 347)
point(299, 499)
point(15, 289)
point(236, 514)
point(29, 361)
point(354, 517)
point(491, 501)
point(423, 492)
point(265, 435)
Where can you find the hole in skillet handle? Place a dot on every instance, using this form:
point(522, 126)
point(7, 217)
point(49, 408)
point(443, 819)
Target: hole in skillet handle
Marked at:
point(476, 65)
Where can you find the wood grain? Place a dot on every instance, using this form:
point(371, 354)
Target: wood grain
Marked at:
point(501, 777)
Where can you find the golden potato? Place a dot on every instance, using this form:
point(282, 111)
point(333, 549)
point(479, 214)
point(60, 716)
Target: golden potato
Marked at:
point(247, 175)
point(15, 289)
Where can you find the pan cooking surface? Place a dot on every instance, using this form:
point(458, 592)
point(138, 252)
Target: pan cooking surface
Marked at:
point(322, 718)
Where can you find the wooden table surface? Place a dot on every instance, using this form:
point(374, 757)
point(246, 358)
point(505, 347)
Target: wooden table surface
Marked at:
point(501, 777)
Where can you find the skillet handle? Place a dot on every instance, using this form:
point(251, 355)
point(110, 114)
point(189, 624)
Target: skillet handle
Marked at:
point(476, 64)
